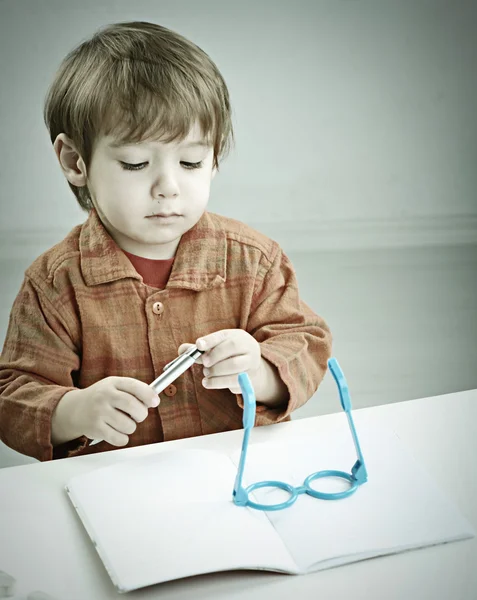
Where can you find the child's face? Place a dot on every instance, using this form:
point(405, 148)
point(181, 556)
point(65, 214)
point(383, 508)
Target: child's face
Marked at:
point(172, 180)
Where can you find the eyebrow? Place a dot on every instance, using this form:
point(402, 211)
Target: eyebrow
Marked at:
point(199, 144)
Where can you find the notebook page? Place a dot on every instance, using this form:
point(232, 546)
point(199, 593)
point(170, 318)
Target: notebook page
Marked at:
point(170, 515)
point(399, 508)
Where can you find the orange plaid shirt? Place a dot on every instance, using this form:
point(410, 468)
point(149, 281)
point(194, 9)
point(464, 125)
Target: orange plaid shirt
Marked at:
point(83, 313)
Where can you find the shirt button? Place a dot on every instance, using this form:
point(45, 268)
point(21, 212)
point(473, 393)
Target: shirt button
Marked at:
point(158, 308)
point(170, 390)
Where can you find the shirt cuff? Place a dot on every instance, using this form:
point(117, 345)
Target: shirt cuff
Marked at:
point(266, 415)
point(43, 429)
point(71, 448)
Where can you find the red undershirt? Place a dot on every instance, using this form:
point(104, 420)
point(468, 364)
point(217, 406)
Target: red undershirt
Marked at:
point(154, 272)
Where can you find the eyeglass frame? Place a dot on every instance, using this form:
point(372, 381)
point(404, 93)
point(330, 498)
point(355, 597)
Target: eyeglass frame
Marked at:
point(358, 476)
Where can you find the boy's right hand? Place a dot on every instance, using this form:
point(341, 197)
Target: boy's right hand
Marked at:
point(109, 409)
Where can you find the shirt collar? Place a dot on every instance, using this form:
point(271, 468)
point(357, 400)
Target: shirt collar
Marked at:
point(199, 263)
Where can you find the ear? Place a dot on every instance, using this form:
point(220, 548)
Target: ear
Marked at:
point(70, 161)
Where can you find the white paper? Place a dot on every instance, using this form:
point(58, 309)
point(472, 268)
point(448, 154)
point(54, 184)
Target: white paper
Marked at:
point(400, 507)
point(170, 515)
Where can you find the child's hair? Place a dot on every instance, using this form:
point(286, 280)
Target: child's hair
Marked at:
point(137, 81)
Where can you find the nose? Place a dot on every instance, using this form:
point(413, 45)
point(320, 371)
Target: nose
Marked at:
point(165, 186)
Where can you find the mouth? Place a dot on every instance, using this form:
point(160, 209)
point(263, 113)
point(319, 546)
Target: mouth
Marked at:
point(164, 216)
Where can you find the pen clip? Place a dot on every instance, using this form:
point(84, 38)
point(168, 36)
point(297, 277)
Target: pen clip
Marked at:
point(192, 350)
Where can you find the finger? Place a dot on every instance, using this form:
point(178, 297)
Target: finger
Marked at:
point(226, 350)
point(130, 405)
point(184, 347)
point(140, 390)
point(113, 437)
point(207, 342)
point(229, 366)
point(121, 422)
point(220, 383)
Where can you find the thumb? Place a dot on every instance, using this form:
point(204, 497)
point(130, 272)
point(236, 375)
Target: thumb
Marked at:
point(183, 348)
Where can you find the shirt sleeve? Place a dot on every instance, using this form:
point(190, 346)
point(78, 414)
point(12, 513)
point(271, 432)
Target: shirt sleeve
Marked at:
point(292, 337)
point(37, 367)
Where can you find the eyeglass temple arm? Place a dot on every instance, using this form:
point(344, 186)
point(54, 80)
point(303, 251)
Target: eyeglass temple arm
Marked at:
point(249, 403)
point(359, 469)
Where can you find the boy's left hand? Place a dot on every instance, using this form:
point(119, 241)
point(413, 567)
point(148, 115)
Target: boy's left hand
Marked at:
point(227, 353)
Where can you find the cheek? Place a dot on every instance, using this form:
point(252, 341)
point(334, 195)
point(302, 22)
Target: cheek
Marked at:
point(198, 198)
point(200, 187)
point(119, 187)
point(103, 181)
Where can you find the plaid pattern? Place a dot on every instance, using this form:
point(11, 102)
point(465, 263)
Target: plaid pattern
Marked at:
point(83, 313)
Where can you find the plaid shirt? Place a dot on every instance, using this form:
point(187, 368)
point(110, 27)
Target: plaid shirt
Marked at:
point(83, 313)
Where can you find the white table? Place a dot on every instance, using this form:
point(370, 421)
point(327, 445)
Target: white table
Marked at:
point(44, 546)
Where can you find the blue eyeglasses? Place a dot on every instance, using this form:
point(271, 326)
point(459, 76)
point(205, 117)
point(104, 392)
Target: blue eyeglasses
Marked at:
point(358, 474)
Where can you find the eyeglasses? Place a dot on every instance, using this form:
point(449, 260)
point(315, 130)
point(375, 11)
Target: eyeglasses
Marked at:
point(358, 474)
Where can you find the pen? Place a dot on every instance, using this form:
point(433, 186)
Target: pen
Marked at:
point(171, 372)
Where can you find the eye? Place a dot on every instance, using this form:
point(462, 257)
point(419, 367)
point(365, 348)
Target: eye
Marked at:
point(133, 167)
point(139, 166)
point(189, 165)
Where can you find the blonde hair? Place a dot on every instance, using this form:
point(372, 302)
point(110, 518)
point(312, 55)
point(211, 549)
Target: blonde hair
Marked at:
point(137, 81)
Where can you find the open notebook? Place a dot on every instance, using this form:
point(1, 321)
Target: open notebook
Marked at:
point(170, 514)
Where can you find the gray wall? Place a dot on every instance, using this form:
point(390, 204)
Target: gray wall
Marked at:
point(356, 149)
point(354, 119)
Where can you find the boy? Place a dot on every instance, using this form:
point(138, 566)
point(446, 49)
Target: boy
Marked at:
point(139, 117)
